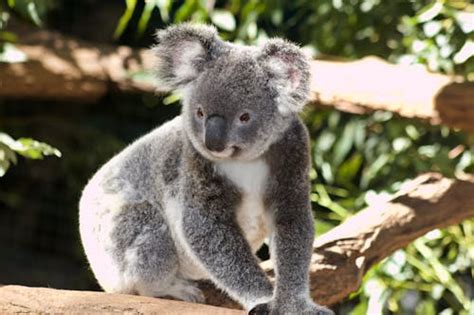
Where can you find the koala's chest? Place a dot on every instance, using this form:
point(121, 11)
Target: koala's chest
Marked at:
point(251, 179)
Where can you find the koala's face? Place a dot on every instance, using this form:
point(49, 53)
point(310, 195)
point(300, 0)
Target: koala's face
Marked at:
point(237, 100)
point(231, 111)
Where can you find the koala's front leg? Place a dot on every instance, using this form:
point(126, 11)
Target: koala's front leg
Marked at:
point(291, 248)
point(293, 234)
point(214, 237)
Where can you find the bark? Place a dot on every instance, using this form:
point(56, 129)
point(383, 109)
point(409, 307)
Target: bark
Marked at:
point(19, 299)
point(68, 69)
point(340, 259)
point(371, 84)
point(63, 68)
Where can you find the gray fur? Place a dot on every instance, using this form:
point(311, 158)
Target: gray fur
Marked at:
point(167, 210)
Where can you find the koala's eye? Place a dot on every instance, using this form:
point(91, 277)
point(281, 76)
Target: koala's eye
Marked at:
point(245, 117)
point(199, 113)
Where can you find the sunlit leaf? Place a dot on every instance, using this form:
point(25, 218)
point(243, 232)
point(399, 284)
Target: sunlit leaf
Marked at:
point(372, 170)
point(344, 144)
point(164, 7)
point(442, 273)
point(125, 19)
point(466, 52)
point(150, 5)
point(348, 170)
point(223, 19)
point(465, 21)
point(430, 11)
point(10, 54)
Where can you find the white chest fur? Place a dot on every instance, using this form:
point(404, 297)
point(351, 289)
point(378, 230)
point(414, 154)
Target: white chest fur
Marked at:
point(251, 179)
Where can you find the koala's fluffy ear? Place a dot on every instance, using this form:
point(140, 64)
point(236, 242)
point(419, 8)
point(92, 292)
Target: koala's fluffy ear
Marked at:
point(288, 69)
point(183, 51)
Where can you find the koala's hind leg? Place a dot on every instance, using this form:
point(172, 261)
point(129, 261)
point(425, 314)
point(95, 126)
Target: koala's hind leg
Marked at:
point(149, 254)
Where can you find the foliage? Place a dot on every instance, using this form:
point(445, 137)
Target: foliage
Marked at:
point(362, 155)
point(359, 160)
point(433, 275)
point(26, 147)
point(34, 11)
point(438, 34)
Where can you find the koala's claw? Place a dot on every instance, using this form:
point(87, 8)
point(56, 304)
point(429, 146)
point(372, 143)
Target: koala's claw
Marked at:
point(312, 309)
point(260, 309)
point(317, 310)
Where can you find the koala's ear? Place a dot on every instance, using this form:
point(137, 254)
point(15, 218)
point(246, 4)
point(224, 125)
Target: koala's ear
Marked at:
point(183, 51)
point(288, 69)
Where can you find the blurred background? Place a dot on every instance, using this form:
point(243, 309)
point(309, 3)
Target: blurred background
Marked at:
point(49, 149)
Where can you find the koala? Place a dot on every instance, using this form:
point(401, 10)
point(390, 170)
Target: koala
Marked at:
point(197, 197)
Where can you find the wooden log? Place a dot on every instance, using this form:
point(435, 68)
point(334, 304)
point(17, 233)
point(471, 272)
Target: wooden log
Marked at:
point(19, 299)
point(68, 69)
point(371, 84)
point(62, 68)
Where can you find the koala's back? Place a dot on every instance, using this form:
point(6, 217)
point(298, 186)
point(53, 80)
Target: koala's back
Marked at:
point(145, 169)
point(121, 208)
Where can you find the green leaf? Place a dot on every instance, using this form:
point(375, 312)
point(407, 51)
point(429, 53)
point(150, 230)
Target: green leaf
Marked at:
point(4, 166)
point(432, 28)
point(322, 227)
point(33, 13)
point(28, 147)
point(125, 18)
point(361, 308)
point(164, 6)
point(172, 98)
point(325, 141)
point(327, 173)
point(466, 52)
point(223, 19)
point(349, 169)
point(7, 154)
point(442, 273)
point(325, 200)
point(186, 10)
point(344, 144)
point(33, 149)
point(145, 17)
point(426, 307)
point(10, 54)
point(465, 21)
point(8, 36)
point(373, 169)
point(143, 76)
point(430, 12)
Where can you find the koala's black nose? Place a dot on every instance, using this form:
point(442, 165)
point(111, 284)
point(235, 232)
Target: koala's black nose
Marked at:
point(215, 134)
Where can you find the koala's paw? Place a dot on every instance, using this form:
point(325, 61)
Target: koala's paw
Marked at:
point(303, 307)
point(315, 309)
point(187, 291)
point(260, 309)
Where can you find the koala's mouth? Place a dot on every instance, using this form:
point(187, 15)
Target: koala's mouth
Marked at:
point(227, 153)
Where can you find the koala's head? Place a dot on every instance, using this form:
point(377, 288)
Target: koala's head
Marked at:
point(237, 100)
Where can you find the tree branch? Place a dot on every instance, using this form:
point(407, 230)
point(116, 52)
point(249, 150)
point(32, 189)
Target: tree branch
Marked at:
point(371, 84)
point(63, 68)
point(20, 299)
